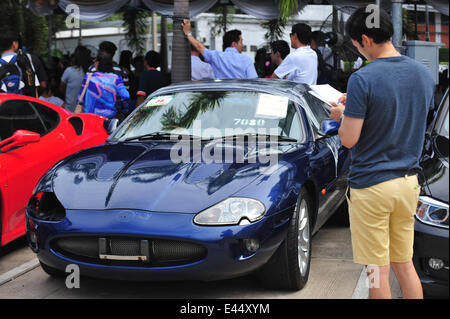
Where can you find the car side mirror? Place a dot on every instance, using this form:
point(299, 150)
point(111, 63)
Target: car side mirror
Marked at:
point(441, 146)
point(19, 138)
point(110, 125)
point(329, 128)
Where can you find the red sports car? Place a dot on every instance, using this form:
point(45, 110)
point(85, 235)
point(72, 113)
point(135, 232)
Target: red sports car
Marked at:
point(34, 135)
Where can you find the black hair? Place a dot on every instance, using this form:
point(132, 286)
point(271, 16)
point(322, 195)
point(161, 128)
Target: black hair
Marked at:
point(303, 32)
point(356, 26)
point(109, 47)
point(280, 46)
point(137, 59)
point(125, 59)
point(230, 37)
point(153, 59)
point(7, 37)
point(82, 58)
point(318, 37)
point(105, 62)
point(261, 56)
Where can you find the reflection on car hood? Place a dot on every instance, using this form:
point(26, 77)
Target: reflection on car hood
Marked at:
point(143, 176)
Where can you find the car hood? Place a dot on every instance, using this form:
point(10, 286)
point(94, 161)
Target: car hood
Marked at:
point(143, 176)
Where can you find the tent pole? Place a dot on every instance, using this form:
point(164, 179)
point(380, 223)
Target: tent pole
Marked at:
point(397, 14)
point(427, 23)
point(164, 53)
point(50, 36)
point(154, 32)
point(416, 36)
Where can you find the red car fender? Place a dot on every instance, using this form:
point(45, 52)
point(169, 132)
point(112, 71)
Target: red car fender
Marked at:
point(19, 175)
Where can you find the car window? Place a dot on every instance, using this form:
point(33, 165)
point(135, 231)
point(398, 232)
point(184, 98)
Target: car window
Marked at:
point(318, 108)
point(49, 117)
point(19, 115)
point(215, 114)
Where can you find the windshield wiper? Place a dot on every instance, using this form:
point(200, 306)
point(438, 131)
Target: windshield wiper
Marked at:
point(278, 138)
point(160, 136)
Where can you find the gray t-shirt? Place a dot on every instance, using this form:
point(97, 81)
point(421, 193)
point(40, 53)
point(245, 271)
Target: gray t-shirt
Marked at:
point(73, 77)
point(393, 96)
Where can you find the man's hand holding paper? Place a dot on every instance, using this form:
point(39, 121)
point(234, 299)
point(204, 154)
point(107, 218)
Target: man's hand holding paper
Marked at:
point(338, 108)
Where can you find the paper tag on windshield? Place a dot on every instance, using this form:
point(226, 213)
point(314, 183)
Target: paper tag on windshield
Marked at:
point(271, 106)
point(160, 100)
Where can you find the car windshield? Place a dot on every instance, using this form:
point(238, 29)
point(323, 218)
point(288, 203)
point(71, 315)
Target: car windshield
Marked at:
point(213, 114)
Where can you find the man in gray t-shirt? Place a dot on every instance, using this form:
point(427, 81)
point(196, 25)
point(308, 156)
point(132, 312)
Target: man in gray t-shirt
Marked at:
point(383, 120)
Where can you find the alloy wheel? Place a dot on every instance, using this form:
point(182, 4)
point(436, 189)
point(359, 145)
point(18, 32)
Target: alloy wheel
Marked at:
point(303, 238)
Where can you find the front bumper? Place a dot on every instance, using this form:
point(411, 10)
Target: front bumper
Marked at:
point(225, 257)
point(431, 242)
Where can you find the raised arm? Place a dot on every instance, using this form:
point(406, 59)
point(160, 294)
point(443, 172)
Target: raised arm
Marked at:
point(187, 32)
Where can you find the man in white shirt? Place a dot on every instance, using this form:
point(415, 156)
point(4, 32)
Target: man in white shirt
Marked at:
point(301, 65)
point(200, 70)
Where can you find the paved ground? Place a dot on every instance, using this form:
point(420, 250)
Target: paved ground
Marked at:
point(333, 275)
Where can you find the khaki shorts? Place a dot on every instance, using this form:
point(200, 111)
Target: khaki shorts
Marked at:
point(382, 221)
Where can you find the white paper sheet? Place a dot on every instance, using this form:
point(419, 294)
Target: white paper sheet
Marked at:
point(326, 93)
point(272, 107)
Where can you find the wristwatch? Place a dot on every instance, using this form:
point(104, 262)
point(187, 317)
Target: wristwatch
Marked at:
point(189, 33)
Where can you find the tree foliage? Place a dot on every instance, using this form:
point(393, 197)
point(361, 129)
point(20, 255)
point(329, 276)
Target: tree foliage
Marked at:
point(286, 8)
point(275, 29)
point(136, 28)
point(224, 18)
point(33, 29)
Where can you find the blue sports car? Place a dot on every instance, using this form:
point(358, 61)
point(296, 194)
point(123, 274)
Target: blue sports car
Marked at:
point(204, 181)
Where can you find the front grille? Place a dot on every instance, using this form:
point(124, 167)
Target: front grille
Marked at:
point(165, 250)
point(125, 247)
point(156, 252)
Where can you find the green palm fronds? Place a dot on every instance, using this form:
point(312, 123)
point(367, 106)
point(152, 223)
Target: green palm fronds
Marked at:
point(136, 28)
point(286, 8)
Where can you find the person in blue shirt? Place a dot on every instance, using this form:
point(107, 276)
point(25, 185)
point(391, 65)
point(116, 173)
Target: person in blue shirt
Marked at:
point(230, 64)
point(103, 88)
point(383, 120)
point(199, 69)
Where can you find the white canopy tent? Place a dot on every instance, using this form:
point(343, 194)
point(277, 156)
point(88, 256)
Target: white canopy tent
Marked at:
point(265, 9)
point(101, 9)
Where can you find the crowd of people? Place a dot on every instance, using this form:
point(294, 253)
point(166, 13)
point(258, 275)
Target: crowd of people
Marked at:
point(82, 83)
point(79, 82)
point(310, 62)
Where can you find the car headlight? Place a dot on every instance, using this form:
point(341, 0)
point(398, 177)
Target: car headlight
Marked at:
point(46, 206)
point(432, 212)
point(232, 211)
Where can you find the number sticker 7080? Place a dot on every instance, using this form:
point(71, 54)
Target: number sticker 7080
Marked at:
point(249, 122)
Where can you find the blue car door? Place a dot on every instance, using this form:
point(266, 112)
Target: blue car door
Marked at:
point(329, 162)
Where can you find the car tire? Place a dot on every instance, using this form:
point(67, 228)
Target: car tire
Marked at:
point(289, 267)
point(52, 271)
